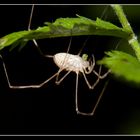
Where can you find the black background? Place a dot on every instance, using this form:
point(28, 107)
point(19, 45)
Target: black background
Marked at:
point(51, 109)
point(68, 1)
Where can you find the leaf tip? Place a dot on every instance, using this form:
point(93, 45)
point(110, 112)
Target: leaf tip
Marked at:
point(3, 41)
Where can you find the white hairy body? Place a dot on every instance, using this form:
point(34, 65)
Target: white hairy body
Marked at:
point(70, 62)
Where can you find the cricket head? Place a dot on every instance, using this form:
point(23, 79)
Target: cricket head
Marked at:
point(85, 57)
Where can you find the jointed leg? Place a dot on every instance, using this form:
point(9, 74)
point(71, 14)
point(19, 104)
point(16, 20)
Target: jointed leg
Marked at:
point(30, 19)
point(29, 86)
point(98, 100)
point(95, 106)
point(89, 85)
point(98, 77)
point(83, 46)
point(99, 74)
point(86, 80)
point(29, 28)
point(29, 25)
point(76, 95)
point(76, 98)
point(58, 81)
point(61, 69)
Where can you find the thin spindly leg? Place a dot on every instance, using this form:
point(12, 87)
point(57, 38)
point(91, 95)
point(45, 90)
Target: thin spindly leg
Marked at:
point(83, 46)
point(63, 63)
point(22, 87)
point(89, 85)
point(76, 97)
point(69, 45)
point(76, 94)
point(96, 82)
point(60, 80)
point(29, 28)
point(99, 74)
point(96, 104)
point(98, 77)
point(86, 80)
point(30, 19)
point(76, 100)
point(29, 25)
point(99, 98)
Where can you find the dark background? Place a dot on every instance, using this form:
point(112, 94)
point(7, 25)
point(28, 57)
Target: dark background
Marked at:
point(68, 1)
point(51, 109)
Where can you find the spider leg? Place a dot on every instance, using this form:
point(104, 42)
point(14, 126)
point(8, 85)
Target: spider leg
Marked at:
point(96, 104)
point(76, 101)
point(69, 44)
point(83, 46)
point(98, 77)
point(98, 100)
point(31, 15)
point(58, 81)
point(29, 26)
point(86, 80)
point(89, 85)
point(99, 74)
point(28, 86)
point(62, 68)
point(34, 41)
point(76, 97)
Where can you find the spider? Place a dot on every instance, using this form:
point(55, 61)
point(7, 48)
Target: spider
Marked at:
point(68, 62)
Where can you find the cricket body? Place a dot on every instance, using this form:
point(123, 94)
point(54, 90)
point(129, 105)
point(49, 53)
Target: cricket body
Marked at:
point(71, 62)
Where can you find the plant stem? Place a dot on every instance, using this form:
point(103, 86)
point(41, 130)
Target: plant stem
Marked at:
point(126, 25)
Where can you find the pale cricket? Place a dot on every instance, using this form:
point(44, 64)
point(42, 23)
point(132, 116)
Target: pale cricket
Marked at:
point(66, 61)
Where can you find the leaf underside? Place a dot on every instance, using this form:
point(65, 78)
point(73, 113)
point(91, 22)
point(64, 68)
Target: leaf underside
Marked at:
point(122, 64)
point(64, 27)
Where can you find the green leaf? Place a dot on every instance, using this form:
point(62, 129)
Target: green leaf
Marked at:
point(122, 64)
point(65, 27)
point(12, 38)
point(106, 25)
